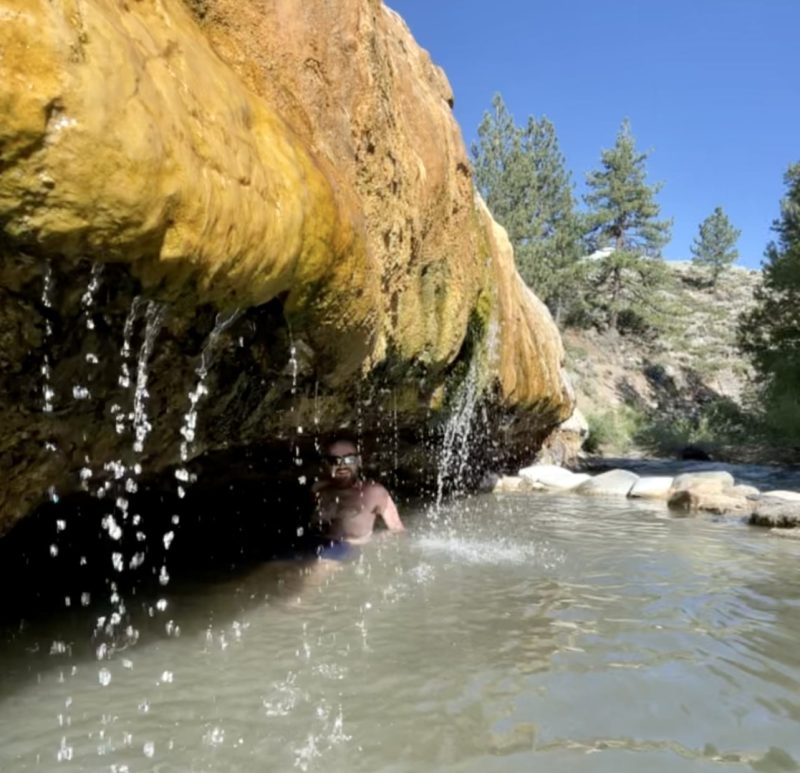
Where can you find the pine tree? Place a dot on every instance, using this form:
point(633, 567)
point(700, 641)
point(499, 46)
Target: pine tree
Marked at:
point(502, 175)
point(522, 176)
point(549, 262)
point(770, 333)
point(623, 217)
point(714, 248)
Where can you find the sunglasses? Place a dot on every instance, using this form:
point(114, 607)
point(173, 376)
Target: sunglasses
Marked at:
point(335, 461)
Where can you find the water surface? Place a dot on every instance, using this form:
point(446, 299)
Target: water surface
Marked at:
point(516, 633)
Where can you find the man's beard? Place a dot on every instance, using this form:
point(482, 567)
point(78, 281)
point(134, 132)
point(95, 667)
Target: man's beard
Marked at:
point(345, 481)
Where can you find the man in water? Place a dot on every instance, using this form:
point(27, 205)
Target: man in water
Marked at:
point(346, 504)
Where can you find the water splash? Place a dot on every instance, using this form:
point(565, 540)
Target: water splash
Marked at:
point(498, 551)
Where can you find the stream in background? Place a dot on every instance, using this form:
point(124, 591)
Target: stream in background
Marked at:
point(514, 633)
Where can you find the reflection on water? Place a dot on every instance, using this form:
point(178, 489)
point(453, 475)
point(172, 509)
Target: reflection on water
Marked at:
point(537, 632)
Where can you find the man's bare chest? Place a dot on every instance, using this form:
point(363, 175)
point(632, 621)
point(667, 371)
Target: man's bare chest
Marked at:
point(343, 504)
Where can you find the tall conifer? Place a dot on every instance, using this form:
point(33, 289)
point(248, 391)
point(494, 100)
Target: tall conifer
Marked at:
point(522, 176)
point(714, 248)
point(623, 217)
point(770, 333)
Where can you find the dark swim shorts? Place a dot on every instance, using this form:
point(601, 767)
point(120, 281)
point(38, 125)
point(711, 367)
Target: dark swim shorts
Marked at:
point(336, 550)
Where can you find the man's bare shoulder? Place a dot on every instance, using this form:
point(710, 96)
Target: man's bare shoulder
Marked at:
point(373, 485)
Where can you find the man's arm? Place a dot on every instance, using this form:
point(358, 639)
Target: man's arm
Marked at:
point(390, 515)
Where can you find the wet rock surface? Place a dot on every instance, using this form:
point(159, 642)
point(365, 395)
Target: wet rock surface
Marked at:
point(285, 190)
point(611, 483)
point(777, 513)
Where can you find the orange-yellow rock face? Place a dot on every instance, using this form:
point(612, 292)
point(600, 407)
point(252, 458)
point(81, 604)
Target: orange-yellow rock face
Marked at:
point(129, 140)
point(240, 151)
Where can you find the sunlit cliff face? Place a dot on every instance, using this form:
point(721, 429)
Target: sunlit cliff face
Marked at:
point(221, 166)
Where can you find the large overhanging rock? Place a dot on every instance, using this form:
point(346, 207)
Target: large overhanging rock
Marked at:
point(296, 161)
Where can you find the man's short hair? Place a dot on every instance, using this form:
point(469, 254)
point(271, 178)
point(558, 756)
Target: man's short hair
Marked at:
point(342, 437)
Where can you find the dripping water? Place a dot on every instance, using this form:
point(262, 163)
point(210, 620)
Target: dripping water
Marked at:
point(455, 448)
point(298, 428)
point(48, 393)
point(47, 301)
point(395, 439)
point(81, 391)
point(317, 446)
point(188, 430)
point(141, 426)
point(114, 522)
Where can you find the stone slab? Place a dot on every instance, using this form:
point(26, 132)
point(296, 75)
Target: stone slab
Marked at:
point(776, 513)
point(553, 477)
point(789, 496)
point(614, 483)
point(688, 479)
point(653, 487)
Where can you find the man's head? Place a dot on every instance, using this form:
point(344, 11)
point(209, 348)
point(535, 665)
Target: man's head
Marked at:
point(342, 462)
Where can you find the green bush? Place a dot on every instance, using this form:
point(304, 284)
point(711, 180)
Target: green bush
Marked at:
point(614, 430)
point(716, 424)
point(782, 417)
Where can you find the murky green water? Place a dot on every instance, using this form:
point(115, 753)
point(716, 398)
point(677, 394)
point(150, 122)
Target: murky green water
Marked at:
point(547, 633)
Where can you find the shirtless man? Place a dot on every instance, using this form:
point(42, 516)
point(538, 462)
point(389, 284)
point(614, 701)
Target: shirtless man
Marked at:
point(346, 504)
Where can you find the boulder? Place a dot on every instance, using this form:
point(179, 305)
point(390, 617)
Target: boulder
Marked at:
point(777, 513)
point(713, 479)
point(553, 477)
point(789, 496)
point(712, 492)
point(488, 482)
point(298, 164)
point(564, 444)
point(700, 498)
point(614, 483)
point(510, 483)
point(653, 487)
point(576, 424)
point(751, 492)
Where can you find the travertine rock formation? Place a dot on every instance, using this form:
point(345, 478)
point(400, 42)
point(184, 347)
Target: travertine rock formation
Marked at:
point(296, 161)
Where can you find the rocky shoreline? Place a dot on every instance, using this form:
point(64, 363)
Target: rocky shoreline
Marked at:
point(715, 492)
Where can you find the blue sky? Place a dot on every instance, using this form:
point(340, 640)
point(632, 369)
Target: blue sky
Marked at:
point(711, 87)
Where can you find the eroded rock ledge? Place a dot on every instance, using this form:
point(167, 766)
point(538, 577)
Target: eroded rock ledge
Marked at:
point(297, 162)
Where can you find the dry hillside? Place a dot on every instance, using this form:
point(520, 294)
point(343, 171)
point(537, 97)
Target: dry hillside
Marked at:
point(671, 393)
